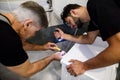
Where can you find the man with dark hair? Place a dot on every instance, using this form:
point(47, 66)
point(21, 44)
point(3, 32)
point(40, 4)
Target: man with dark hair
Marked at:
point(99, 14)
point(67, 9)
point(66, 13)
point(18, 26)
point(68, 16)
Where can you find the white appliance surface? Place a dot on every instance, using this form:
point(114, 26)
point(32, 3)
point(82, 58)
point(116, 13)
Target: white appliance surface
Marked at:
point(84, 52)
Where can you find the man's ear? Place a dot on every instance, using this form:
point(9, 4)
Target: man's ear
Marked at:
point(28, 23)
point(73, 12)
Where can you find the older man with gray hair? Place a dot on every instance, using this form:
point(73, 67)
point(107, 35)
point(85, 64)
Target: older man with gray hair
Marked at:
point(22, 24)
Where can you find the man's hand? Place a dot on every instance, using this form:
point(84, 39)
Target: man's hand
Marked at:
point(76, 67)
point(59, 33)
point(50, 46)
point(57, 56)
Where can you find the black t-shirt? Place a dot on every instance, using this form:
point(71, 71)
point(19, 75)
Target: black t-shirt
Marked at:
point(117, 2)
point(11, 49)
point(105, 14)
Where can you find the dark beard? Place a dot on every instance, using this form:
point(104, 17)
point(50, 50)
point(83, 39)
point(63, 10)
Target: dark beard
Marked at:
point(79, 23)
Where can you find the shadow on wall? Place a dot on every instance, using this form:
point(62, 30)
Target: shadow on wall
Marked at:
point(47, 34)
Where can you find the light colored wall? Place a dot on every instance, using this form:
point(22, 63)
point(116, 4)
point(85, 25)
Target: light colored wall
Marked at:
point(9, 5)
point(53, 17)
point(58, 6)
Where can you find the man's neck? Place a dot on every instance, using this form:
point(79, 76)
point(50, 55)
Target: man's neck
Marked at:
point(85, 15)
point(15, 24)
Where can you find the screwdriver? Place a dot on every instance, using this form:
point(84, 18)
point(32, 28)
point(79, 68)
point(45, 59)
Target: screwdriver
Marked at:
point(62, 52)
point(58, 49)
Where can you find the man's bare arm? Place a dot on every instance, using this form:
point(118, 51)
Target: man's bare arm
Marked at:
point(27, 69)
point(88, 38)
point(30, 46)
point(109, 56)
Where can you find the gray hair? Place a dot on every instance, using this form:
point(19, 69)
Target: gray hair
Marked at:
point(33, 10)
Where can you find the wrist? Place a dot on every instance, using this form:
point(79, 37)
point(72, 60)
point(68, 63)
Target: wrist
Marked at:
point(52, 57)
point(86, 66)
point(67, 37)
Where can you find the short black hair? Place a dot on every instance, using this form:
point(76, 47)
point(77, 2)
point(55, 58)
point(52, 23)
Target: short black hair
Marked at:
point(66, 10)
